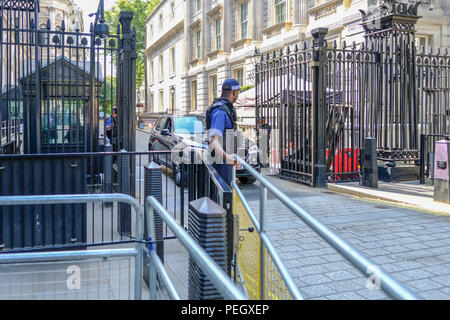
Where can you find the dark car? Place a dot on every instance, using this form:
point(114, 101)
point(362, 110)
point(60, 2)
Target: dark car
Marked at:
point(178, 132)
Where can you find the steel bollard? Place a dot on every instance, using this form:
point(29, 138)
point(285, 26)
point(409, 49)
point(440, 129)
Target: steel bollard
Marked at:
point(442, 172)
point(207, 226)
point(153, 187)
point(370, 173)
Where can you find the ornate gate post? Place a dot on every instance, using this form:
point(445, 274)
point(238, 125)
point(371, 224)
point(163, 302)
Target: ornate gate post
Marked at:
point(127, 114)
point(390, 28)
point(127, 82)
point(318, 107)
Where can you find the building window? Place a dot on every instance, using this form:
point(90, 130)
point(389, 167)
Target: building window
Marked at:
point(152, 73)
point(160, 21)
point(212, 88)
point(244, 20)
point(151, 103)
point(198, 45)
point(172, 10)
point(161, 101)
point(151, 31)
point(172, 61)
point(161, 67)
point(218, 30)
point(280, 11)
point(422, 42)
point(239, 76)
point(194, 93)
point(198, 5)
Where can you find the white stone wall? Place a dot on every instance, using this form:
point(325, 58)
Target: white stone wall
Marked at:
point(166, 35)
point(342, 19)
point(59, 10)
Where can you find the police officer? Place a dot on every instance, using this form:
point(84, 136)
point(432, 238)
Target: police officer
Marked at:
point(220, 119)
point(111, 127)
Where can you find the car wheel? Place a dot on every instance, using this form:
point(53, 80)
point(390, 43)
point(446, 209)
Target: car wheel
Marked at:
point(247, 180)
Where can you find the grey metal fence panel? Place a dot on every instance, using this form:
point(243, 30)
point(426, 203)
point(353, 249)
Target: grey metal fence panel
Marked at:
point(42, 225)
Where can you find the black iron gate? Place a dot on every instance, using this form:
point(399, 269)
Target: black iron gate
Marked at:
point(61, 84)
point(318, 104)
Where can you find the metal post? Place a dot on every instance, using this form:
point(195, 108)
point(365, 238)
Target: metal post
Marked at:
point(423, 152)
point(127, 101)
point(124, 220)
point(108, 172)
point(262, 225)
point(370, 173)
point(318, 107)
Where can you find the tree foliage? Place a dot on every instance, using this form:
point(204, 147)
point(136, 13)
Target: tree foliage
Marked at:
point(107, 94)
point(141, 9)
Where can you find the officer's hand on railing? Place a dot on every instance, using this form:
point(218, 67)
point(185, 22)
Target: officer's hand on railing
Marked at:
point(231, 161)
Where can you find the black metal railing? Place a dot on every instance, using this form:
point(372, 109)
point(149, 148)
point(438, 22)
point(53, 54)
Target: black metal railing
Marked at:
point(319, 103)
point(57, 79)
point(37, 227)
point(204, 181)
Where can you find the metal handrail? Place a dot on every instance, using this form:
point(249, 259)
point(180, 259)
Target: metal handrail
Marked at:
point(215, 274)
point(62, 255)
point(388, 284)
point(94, 198)
point(270, 248)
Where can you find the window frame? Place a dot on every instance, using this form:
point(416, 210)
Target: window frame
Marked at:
point(161, 68)
point(198, 44)
point(235, 74)
point(172, 64)
point(218, 36)
point(213, 92)
point(152, 72)
point(245, 21)
point(285, 13)
point(161, 100)
point(194, 97)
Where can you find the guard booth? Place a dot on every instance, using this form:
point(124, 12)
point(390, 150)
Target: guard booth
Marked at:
point(65, 105)
point(11, 115)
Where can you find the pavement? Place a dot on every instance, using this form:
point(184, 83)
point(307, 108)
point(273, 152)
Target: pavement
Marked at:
point(410, 194)
point(412, 244)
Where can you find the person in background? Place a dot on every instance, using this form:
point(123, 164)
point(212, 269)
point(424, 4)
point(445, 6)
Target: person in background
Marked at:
point(112, 127)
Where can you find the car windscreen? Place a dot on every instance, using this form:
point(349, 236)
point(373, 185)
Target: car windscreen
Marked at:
point(189, 125)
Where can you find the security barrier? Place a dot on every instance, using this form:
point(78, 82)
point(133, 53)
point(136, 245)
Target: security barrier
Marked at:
point(260, 270)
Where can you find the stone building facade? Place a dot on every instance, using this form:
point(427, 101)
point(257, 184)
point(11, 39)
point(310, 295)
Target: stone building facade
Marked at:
point(58, 11)
point(217, 39)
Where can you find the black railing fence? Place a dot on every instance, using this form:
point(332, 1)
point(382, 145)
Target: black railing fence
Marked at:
point(319, 102)
point(34, 227)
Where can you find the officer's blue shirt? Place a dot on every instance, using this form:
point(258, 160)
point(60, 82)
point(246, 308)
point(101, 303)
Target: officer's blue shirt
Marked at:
point(220, 122)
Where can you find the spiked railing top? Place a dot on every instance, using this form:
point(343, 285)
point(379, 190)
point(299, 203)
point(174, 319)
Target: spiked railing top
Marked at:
point(391, 7)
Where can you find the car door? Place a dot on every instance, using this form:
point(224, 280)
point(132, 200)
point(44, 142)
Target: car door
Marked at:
point(156, 137)
point(167, 141)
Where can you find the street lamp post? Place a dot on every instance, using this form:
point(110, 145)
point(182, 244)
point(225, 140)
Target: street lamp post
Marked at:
point(172, 93)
